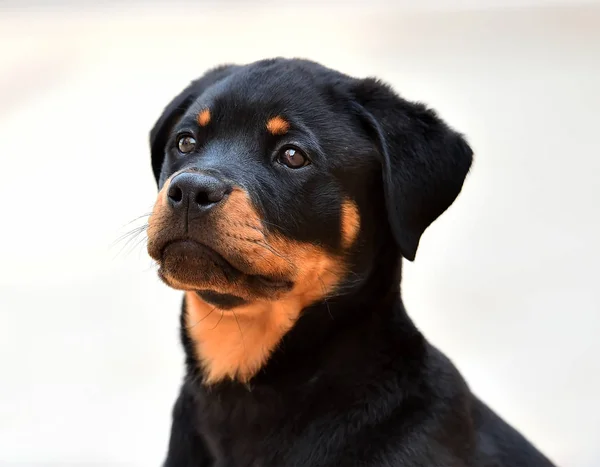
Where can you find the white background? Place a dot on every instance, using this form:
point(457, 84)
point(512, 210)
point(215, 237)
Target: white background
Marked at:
point(505, 282)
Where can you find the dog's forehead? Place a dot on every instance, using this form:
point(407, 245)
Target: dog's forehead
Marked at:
point(260, 91)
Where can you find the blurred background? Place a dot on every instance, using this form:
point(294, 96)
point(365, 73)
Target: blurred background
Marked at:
point(506, 282)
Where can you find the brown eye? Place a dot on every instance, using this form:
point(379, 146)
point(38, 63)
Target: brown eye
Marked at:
point(186, 144)
point(292, 158)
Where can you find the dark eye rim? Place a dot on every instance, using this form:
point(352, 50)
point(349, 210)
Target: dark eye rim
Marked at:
point(281, 151)
point(185, 134)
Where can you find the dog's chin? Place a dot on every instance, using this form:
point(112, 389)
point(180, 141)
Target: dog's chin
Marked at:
point(192, 266)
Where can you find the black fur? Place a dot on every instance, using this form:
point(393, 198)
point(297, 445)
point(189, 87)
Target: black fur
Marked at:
point(353, 383)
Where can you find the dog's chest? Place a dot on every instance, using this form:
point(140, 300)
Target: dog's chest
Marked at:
point(270, 426)
point(241, 426)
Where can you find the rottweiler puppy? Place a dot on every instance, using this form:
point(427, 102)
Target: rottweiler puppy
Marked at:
point(288, 195)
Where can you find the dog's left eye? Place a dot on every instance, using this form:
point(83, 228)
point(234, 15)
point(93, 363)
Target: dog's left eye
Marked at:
point(292, 158)
point(186, 144)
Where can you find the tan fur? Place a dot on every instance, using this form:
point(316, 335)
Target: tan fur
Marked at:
point(350, 223)
point(236, 343)
point(278, 126)
point(204, 117)
point(158, 211)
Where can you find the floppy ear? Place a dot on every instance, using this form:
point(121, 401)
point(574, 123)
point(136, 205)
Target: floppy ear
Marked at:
point(175, 110)
point(424, 161)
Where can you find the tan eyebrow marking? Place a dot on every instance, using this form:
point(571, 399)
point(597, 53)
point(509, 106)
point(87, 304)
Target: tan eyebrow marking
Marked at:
point(278, 126)
point(204, 117)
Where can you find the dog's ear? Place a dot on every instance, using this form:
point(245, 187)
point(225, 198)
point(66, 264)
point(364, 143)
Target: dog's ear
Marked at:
point(175, 110)
point(424, 161)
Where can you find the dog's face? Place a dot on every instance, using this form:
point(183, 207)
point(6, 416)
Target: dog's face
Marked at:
point(277, 179)
point(259, 190)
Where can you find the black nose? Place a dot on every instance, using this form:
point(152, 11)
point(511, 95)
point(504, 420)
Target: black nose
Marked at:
point(196, 191)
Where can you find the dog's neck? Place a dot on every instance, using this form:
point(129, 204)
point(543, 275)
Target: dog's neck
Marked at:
point(353, 307)
point(239, 346)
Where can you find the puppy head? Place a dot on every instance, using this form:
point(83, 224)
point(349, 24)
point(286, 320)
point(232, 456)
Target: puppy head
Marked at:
point(278, 179)
point(259, 181)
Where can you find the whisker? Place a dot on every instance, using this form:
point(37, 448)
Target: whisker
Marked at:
point(240, 328)
point(131, 234)
point(261, 255)
point(138, 218)
point(263, 245)
point(347, 273)
point(152, 265)
point(131, 238)
point(202, 319)
point(136, 238)
point(253, 227)
point(139, 242)
point(222, 313)
point(135, 231)
point(132, 242)
point(272, 250)
point(271, 224)
point(347, 286)
point(325, 295)
point(135, 247)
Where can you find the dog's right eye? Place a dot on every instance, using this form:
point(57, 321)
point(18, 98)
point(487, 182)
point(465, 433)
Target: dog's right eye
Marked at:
point(186, 144)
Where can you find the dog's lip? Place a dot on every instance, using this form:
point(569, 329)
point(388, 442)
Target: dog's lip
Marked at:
point(224, 301)
point(215, 255)
point(271, 282)
point(263, 279)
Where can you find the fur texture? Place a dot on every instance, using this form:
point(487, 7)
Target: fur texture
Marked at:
point(344, 377)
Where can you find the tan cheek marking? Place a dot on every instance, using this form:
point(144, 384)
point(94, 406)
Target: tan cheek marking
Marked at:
point(239, 209)
point(158, 214)
point(239, 219)
point(278, 126)
point(237, 346)
point(204, 117)
point(350, 223)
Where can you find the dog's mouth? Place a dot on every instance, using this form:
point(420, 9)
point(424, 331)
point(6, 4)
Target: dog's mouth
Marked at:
point(190, 265)
point(223, 301)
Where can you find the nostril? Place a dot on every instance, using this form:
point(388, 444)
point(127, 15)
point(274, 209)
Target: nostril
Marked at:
point(175, 193)
point(203, 198)
point(211, 195)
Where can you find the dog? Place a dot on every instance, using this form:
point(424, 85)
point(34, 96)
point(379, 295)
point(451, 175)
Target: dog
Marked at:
point(289, 193)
